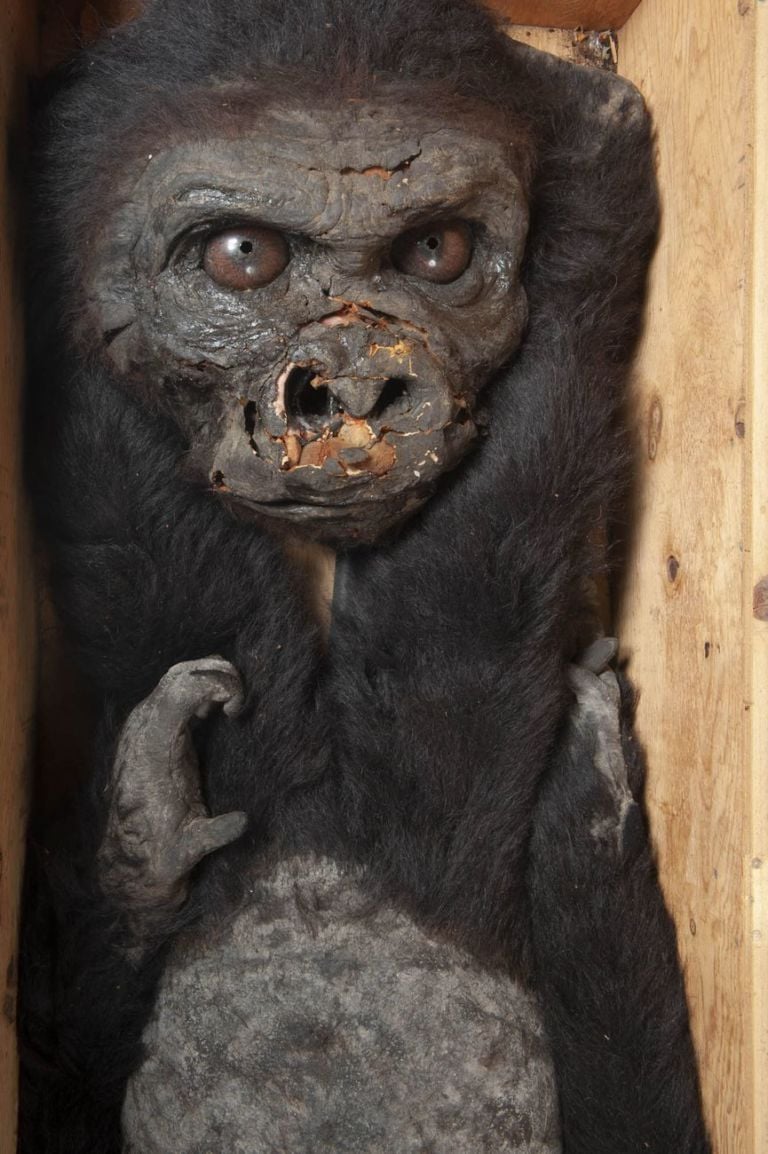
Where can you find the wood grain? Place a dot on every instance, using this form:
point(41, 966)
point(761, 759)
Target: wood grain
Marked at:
point(16, 577)
point(558, 41)
point(87, 14)
point(757, 570)
point(66, 23)
point(683, 617)
point(566, 13)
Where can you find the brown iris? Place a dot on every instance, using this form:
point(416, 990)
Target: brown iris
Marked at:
point(438, 252)
point(245, 258)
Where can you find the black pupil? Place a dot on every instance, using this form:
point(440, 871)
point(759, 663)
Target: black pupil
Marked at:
point(246, 247)
point(432, 242)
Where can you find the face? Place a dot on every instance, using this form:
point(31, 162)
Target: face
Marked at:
point(319, 300)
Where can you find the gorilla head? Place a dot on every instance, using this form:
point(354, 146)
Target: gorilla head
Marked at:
point(318, 294)
point(307, 255)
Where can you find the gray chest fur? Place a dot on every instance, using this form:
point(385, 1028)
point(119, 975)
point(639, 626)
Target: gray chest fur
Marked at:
point(314, 1023)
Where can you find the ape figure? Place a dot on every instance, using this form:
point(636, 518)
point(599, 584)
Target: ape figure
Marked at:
point(367, 274)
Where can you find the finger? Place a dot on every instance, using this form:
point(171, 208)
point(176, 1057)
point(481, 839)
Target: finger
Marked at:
point(204, 835)
point(610, 684)
point(191, 689)
point(235, 703)
point(599, 655)
point(593, 696)
point(582, 681)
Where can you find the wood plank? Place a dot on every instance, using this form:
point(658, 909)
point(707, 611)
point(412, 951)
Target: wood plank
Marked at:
point(596, 49)
point(756, 609)
point(543, 13)
point(17, 24)
point(566, 13)
point(558, 41)
point(64, 23)
point(683, 616)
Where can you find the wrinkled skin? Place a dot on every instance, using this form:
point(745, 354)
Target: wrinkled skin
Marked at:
point(334, 396)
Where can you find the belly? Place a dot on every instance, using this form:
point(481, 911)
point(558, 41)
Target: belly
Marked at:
point(315, 1024)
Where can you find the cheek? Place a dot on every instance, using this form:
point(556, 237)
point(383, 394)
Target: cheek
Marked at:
point(474, 340)
point(489, 334)
point(240, 333)
point(183, 327)
point(193, 313)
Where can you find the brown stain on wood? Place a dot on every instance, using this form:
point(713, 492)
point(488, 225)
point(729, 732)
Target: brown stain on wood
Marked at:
point(9, 1009)
point(760, 600)
point(673, 569)
point(655, 426)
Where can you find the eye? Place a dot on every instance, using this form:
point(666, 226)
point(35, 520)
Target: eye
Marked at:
point(245, 258)
point(438, 252)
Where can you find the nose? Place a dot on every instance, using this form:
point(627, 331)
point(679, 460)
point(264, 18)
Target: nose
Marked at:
point(316, 402)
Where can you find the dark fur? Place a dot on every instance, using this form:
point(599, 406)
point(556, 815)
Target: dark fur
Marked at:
point(603, 941)
point(418, 743)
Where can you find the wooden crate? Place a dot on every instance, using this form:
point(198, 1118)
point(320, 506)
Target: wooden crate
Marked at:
point(557, 14)
point(698, 654)
point(17, 644)
point(693, 613)
point(693, 610)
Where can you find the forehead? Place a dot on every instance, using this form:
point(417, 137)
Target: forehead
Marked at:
point(357, 133)
point(295, 165)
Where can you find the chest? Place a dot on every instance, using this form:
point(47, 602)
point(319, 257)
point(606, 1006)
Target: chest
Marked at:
point(317, 1022)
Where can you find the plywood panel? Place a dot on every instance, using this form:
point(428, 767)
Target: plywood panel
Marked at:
point(683, 616)
point(16, 584)
point(566, 13)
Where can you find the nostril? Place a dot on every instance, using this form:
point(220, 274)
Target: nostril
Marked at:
point(394, 399)
point(309, 402)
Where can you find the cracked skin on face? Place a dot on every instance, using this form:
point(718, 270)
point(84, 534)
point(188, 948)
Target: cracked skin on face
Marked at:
point(334, 396)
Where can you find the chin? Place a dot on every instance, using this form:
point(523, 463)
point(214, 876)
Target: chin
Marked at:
point(362, 522)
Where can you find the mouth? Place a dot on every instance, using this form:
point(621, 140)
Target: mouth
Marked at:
point(349, 436)
point(319, 431)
